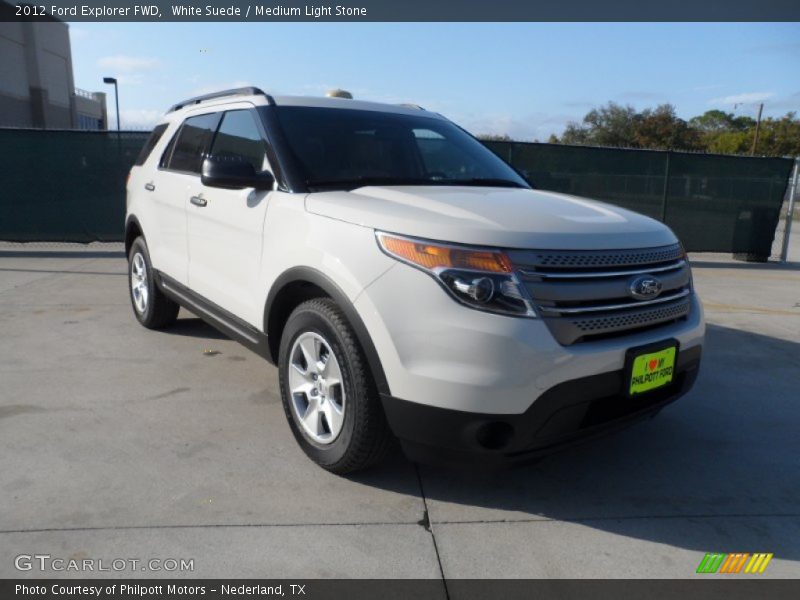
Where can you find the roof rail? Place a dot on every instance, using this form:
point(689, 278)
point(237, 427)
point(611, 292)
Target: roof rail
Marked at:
point(410, 105)
point(243, 91)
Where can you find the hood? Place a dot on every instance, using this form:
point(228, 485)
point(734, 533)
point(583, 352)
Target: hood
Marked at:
point(501, 217)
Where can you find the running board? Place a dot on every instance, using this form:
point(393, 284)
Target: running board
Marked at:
point(216, 316)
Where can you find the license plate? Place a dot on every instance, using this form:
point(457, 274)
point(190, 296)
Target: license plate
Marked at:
point(650, 370)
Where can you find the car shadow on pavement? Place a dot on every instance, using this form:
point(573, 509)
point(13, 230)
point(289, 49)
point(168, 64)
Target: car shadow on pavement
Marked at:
point(194, 327)
point(719, 470)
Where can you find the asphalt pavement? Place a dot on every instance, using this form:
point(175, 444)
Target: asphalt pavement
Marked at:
point(119, 442)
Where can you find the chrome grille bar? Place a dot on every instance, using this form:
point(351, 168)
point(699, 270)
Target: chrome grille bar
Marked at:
point(612, 307)
point(583, 294)
point(598, 274)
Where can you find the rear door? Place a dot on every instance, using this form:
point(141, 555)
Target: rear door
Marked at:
point(226, 226)
point(170, 188)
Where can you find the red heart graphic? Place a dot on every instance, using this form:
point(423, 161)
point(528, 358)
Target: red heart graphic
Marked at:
point(653, 364)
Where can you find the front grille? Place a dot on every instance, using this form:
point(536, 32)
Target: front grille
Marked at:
point(583, 295)
point(615, 258)
point(632, 319)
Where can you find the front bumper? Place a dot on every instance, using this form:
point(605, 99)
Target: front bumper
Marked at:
point(439, 353)
point(564, 414)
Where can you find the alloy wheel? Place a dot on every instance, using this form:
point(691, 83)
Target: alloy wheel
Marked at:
point(316, 387)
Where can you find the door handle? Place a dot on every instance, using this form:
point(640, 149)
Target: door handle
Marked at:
point(198, 201)
point(149, 187)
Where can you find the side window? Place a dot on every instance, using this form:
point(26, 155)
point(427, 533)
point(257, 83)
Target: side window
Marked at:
point(239, 139)
point(150, 143)
point(192, 142)
point(165, 156)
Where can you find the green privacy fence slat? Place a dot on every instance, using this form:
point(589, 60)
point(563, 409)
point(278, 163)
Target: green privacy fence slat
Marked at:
point(65, 186)
point(713, 203)
point(70, 186)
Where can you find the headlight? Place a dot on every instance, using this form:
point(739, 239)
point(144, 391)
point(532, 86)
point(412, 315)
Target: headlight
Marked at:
point(480, 278)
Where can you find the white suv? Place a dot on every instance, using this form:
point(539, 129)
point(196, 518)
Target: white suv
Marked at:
point(406, 281)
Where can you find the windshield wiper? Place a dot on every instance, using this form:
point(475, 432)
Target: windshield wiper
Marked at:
point(483, 182)
point(357, 182)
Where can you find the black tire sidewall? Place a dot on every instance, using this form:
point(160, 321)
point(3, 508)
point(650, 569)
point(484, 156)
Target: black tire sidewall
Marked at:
point(310, 320)
point(140, 247)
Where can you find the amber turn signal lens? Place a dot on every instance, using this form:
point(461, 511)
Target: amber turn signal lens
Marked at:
point(432, 256)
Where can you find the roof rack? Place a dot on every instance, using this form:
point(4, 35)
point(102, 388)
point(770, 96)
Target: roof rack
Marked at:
point(243, 91)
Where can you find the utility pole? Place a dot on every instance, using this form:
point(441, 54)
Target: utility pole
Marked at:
point(758, 126)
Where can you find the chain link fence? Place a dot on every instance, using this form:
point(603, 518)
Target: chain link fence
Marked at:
point(69, 186)
point(65, 186)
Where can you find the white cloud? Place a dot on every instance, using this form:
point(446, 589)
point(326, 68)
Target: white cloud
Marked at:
point(745, 98)
point(535, 126)
point(136, 118)
point(129, 70)
point(128, 64)
point(788, 103)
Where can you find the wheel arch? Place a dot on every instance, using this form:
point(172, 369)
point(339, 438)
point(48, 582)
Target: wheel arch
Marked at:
point(132, 230)
point(298, 284)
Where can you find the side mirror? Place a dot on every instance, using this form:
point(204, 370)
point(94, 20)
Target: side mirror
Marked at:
point(234, 174)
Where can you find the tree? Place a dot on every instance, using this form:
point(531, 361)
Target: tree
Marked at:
point(662, 129)
point(723, 132)
point(610, 125)
point(715, 121)
point(780, 137)
point(728, 142)
point(714, 131)
point(494, 137)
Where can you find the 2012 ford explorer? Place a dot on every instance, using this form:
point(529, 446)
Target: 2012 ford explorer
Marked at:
point(406, 281)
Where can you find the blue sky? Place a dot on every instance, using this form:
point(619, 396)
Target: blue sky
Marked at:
point(524, 79)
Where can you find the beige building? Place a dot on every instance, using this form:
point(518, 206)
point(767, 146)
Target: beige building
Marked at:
point(36, 83)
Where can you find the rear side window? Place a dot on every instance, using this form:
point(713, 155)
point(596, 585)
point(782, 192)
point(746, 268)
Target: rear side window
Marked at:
point(239, 139)
point(192, 143)
point(150, 143)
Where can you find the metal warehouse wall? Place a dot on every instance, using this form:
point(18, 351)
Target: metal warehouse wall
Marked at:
point(70, 186)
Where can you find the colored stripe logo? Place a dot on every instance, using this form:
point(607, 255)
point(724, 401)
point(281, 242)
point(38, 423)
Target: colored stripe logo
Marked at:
point(737, 562)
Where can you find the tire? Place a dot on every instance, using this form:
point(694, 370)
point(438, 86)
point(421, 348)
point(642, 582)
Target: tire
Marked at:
point(156, 311)
point(348, 432)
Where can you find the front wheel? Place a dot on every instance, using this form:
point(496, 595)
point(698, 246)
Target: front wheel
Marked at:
point(328, 393)
point(151, 307)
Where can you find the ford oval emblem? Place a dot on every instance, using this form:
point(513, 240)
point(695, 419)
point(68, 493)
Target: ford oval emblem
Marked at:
point(646, 287)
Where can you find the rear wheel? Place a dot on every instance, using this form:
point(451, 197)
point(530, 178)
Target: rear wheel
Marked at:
point(328, 393)
point(151, 307)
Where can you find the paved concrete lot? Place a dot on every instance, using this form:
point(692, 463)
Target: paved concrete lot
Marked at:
point(118, 442)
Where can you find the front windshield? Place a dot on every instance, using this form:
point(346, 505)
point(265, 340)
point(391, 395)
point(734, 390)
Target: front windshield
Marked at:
point(343, 149)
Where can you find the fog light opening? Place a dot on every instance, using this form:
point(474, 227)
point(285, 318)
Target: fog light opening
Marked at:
point(495, 435)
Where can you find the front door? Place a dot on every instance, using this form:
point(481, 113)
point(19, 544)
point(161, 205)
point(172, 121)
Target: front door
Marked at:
point(226, 226)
